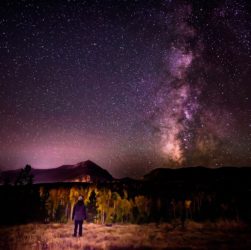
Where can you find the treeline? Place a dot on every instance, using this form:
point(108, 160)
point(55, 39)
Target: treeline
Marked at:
point(120, 202)
point(103, 205)
point(44, 203)
point(107, 206)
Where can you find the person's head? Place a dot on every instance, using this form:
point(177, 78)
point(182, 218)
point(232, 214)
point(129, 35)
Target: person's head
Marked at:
point(80, 198)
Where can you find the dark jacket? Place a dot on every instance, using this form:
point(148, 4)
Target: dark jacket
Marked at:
point(79, 211)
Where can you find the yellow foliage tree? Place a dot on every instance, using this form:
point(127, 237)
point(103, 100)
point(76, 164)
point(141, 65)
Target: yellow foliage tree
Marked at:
point(143, 205)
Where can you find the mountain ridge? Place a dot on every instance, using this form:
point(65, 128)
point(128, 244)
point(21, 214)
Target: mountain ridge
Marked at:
point(86, 171)
point(199, 174)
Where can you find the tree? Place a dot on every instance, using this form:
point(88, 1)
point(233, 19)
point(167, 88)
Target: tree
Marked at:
point(25, 177)
point(25, 199)
point(105, 205)
point(143, 205)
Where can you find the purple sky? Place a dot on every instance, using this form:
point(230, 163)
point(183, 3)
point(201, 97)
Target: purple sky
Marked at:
point(130, 85)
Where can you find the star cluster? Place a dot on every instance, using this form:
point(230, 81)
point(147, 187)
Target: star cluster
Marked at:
point(131, 85)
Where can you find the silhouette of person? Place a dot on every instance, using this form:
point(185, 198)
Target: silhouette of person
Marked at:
point(78, 215)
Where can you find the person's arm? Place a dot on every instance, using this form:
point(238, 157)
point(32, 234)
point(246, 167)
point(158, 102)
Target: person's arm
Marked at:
point(73, 213)
point(84, 213)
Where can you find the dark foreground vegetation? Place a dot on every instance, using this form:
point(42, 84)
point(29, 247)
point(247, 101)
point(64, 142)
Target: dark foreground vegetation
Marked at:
point(161, 197)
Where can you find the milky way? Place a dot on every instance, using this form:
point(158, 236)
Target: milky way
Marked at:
point(131, 85)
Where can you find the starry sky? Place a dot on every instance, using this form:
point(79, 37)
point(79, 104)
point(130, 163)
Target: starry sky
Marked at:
point(131, 85)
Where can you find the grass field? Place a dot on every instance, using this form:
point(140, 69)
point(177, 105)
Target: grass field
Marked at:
point(219, 235)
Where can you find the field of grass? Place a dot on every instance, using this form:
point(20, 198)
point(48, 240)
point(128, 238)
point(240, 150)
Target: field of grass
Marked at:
point(219, 235)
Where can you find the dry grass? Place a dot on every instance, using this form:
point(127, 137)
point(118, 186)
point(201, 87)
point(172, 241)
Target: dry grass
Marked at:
point(220, 235)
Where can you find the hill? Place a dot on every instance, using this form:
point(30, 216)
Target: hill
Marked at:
point(200, 175)
point(86, 171)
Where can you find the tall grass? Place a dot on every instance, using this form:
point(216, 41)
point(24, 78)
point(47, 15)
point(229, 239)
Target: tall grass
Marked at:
point(218, 235)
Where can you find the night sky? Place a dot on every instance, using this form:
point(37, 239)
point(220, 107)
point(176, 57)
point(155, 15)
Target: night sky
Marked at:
point(130, 85)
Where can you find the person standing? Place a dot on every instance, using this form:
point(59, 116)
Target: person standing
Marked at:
point(78, 215)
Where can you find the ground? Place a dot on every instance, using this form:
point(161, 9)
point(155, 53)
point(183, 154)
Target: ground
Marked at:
point(207, 235)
